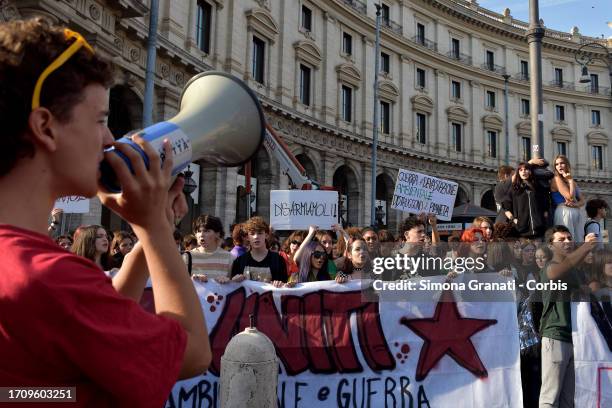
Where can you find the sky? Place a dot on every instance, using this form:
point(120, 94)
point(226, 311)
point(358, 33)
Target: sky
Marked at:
point(590, 16)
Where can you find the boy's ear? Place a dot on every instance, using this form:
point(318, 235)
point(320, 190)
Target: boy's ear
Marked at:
point(42, 125)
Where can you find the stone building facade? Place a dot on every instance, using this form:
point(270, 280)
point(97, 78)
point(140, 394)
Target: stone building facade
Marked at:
point(312, 64)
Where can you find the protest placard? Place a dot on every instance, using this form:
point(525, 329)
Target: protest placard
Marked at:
point(73, 204)
point(419, 193)
point(298, 209)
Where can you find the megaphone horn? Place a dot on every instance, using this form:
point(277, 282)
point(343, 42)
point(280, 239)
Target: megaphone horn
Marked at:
point(220, 121)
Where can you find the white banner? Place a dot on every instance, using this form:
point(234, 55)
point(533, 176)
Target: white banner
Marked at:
point(419, 193)
point(592, 339)
point(299, 209)
point(337, 350)
point(73, 204)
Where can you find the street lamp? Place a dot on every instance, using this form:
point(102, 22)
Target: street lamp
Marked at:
point(375, 120)
point(190, 184)
point(584, 59)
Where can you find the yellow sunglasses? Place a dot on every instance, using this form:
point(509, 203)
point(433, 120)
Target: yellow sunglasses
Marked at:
point(59, 61)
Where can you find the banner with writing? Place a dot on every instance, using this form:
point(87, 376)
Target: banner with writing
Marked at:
point(592, 339)
point(419, 193)
point(73, 204)
point(337, 350)
point(298, 209)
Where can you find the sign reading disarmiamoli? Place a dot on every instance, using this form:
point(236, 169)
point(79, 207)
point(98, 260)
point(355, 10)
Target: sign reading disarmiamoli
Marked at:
point(419, 193)
point(298, 209)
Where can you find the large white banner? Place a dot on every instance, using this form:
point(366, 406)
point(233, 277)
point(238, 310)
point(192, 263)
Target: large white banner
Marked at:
point(419, 193)
point(299, 209)
point(337, 350)
point(73, 204)
point(592, 338)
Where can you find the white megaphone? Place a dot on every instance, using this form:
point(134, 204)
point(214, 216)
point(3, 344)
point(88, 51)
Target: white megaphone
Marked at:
point(220, 121)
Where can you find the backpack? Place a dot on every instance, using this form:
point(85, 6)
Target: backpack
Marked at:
point(589, 223)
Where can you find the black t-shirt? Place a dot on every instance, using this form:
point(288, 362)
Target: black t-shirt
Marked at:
point(271, 268)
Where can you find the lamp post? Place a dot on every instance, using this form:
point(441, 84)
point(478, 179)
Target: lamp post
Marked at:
point(535, 33)
point(188, 188)
point(506, 126)
point(375, 121)
point(584, 59)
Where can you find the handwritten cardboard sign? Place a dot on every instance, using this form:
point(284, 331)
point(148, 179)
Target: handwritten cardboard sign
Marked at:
point(73, 204)
point(419, 193)
point(298, 209)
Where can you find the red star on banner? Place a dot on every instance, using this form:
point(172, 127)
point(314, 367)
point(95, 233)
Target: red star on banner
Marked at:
point(447, 332)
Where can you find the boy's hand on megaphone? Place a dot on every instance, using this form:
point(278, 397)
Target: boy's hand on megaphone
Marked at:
point(145, 197)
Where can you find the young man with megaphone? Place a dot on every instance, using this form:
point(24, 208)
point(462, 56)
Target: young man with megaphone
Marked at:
point(63, 322)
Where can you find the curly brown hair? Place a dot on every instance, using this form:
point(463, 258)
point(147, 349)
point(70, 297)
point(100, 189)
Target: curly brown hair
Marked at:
point(27, 47)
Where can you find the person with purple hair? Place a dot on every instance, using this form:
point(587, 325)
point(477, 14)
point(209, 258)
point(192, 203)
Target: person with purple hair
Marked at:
point(312, 265)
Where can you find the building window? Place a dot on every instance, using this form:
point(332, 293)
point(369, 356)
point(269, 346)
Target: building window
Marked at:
point(595, 118)
point(562, 148)
point(490, 60)
point(526, 148)
point(559, 113)
point(203, 26)
point(305, 85)
point(257, 69)
point(384, 63)
point(386, 14)
point(490, 99)
point(306, 18)
point(492, 143)
point(347, 103)
point(385, 117)
point(420, 34)
point(421, 129)
point(420, 78)
point(597, 157)
point(347, 44)
point(524, 70)
point(594, 83)
point(456, 136)
point(559, 76)
point(456, 90)
point(525, 107)
point(455, 48)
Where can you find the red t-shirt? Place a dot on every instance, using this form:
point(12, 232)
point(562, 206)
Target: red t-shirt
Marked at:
point(63, 324)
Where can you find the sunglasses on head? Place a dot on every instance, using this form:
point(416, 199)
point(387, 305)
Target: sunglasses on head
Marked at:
point(319, 254)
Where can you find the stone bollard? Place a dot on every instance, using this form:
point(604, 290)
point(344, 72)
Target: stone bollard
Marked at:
point(249, 371)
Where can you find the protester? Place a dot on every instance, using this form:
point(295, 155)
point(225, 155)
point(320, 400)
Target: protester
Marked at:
point(239, 236)
point(325, 239)
point(190, 242)
point(259, 264)
point(596, 210)
point(556, 324)
point(526, 203)
point(387, 242)
point(474, 247)
point(527, 268)
point(484, 223)
point(209, 260)
point(64, 241)
point(64, 323)
point(54, 223)
point(567, 198)
point(92, 243)
point(289, 248)
point(121, 245)
point(371, 238)
point(503, 186)
point(312, 263)
point(358, 262)
point(603, 266)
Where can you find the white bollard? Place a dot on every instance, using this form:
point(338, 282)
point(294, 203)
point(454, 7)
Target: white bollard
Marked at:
point(249, 371)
